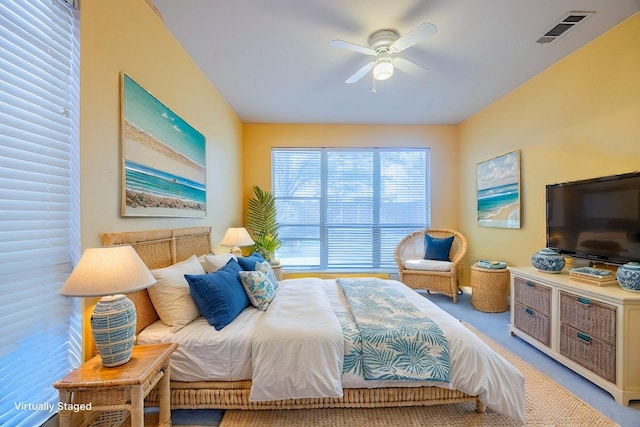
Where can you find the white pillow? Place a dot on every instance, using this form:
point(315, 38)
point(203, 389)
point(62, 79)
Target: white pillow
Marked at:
point(427, 265)
point(171, 296)
point(216, 262)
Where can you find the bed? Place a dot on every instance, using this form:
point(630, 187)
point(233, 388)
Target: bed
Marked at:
point(487, 378)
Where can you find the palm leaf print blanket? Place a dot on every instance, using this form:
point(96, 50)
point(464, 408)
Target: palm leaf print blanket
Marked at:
point(396, 340)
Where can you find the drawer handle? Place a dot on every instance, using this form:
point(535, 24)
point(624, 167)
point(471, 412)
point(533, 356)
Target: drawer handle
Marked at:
point(531, 284)
point(583, 300)
point(528, 311)
point(584, 337)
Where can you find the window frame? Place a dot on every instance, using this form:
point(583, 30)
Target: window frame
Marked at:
point(381, 259)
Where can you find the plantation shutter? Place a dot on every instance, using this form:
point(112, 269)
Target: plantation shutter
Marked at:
point(40, 330)
point(346, 209)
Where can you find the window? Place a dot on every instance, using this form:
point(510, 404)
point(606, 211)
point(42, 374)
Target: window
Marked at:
point(346, 209)
point(40, 330)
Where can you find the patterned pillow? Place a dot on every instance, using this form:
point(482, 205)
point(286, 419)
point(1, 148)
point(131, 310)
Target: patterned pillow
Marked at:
point(258, 288)
point(268, 271)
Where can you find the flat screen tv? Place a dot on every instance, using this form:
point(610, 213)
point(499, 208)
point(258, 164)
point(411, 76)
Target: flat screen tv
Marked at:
point(596, 219)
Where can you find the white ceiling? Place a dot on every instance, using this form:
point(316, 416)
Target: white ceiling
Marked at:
point(272, 62)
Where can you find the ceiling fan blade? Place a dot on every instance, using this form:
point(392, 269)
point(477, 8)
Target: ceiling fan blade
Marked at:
point(360, 73)
point(351, 46)
point(409, 67)
point(422, 31)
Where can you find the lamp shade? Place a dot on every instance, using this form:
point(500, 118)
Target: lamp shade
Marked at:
point(108, 271)
point(237, 237)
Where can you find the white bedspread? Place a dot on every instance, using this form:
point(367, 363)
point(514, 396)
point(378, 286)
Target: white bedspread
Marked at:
point(205, 354)
point(297, 346)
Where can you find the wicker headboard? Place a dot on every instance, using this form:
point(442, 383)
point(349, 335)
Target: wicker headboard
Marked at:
point(159, 248)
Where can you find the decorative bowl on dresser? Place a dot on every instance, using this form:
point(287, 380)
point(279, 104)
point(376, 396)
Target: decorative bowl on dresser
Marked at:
point(548, 261)
point(628, 276)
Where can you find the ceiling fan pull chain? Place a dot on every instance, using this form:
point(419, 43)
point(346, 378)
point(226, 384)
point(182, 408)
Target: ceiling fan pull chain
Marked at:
point(373, 88)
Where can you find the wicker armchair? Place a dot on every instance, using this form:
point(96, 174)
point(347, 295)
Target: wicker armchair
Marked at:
point(412, 248)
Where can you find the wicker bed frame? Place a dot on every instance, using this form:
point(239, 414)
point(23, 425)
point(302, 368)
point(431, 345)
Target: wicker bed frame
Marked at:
point(161, 248)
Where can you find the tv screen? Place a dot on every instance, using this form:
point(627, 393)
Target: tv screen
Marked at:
point(597, 219)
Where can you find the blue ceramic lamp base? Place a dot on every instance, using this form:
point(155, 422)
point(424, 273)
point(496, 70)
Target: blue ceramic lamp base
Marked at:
point(113, 325)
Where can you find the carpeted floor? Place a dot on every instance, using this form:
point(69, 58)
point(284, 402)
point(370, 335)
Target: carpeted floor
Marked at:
point(547, 404)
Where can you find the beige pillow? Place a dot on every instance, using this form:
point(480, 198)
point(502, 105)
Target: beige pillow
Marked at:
point(216, 262)
point(171, 296)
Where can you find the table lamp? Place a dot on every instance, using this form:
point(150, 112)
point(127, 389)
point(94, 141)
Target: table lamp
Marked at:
point(109, 272)
point(237, 237)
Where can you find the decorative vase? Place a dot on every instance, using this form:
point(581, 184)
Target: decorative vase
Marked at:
point(548, 261)
point(113, 325)
point(628, 276)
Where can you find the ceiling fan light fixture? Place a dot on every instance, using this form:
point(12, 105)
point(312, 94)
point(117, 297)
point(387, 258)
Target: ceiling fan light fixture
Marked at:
point(383, 69)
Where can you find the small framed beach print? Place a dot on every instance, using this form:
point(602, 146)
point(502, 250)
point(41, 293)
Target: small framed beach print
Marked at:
point(498, 187)
point(163, 158)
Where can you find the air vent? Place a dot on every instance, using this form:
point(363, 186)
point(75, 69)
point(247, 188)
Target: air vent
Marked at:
point(569, 21)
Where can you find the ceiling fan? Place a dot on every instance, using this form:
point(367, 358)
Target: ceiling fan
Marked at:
point(383, 44)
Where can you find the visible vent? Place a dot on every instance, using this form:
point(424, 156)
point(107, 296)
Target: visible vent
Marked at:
point(566, 23)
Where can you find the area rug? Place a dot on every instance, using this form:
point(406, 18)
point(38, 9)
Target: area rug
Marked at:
point(547, 404)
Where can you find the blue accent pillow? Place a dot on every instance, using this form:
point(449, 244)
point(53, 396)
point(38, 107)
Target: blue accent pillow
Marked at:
point(220, 295)
point(437, 249)
point(248, 263)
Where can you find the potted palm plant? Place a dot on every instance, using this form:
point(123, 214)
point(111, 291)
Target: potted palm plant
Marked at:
point(262, 224)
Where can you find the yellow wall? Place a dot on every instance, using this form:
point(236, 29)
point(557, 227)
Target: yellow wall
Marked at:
point(442, 140)
point(127, 36)
point(578, 119)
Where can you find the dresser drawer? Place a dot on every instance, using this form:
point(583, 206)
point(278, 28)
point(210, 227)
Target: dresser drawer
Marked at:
point(533, 295)
point(532, 322)
point(594, 318)
point(589, 352)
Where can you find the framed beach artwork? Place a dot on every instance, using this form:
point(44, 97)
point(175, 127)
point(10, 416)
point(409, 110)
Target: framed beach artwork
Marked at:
point(498, 186)
point(163, 158)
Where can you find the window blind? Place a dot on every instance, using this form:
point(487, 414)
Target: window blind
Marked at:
point(346, 209)
point(40, 330)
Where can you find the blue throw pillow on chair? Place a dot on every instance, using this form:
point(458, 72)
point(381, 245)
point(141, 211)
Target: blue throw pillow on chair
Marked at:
point(437, 249)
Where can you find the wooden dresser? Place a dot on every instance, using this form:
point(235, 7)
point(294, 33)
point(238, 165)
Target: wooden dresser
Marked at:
point(593, 330)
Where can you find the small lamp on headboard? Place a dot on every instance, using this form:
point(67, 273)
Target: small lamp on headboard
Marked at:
point(109, 272)
point(237, 237)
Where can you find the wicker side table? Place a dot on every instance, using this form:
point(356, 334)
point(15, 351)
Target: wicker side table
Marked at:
point(107, 396)
point(489, 289)
point(277, 270)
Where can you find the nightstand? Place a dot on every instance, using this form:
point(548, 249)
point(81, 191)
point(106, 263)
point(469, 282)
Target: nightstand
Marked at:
point(104, 395)
point(489, 289)
point(277, 270)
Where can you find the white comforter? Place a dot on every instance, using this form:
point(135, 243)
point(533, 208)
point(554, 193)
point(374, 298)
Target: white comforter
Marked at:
point(297, 346)
point(205, 354)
